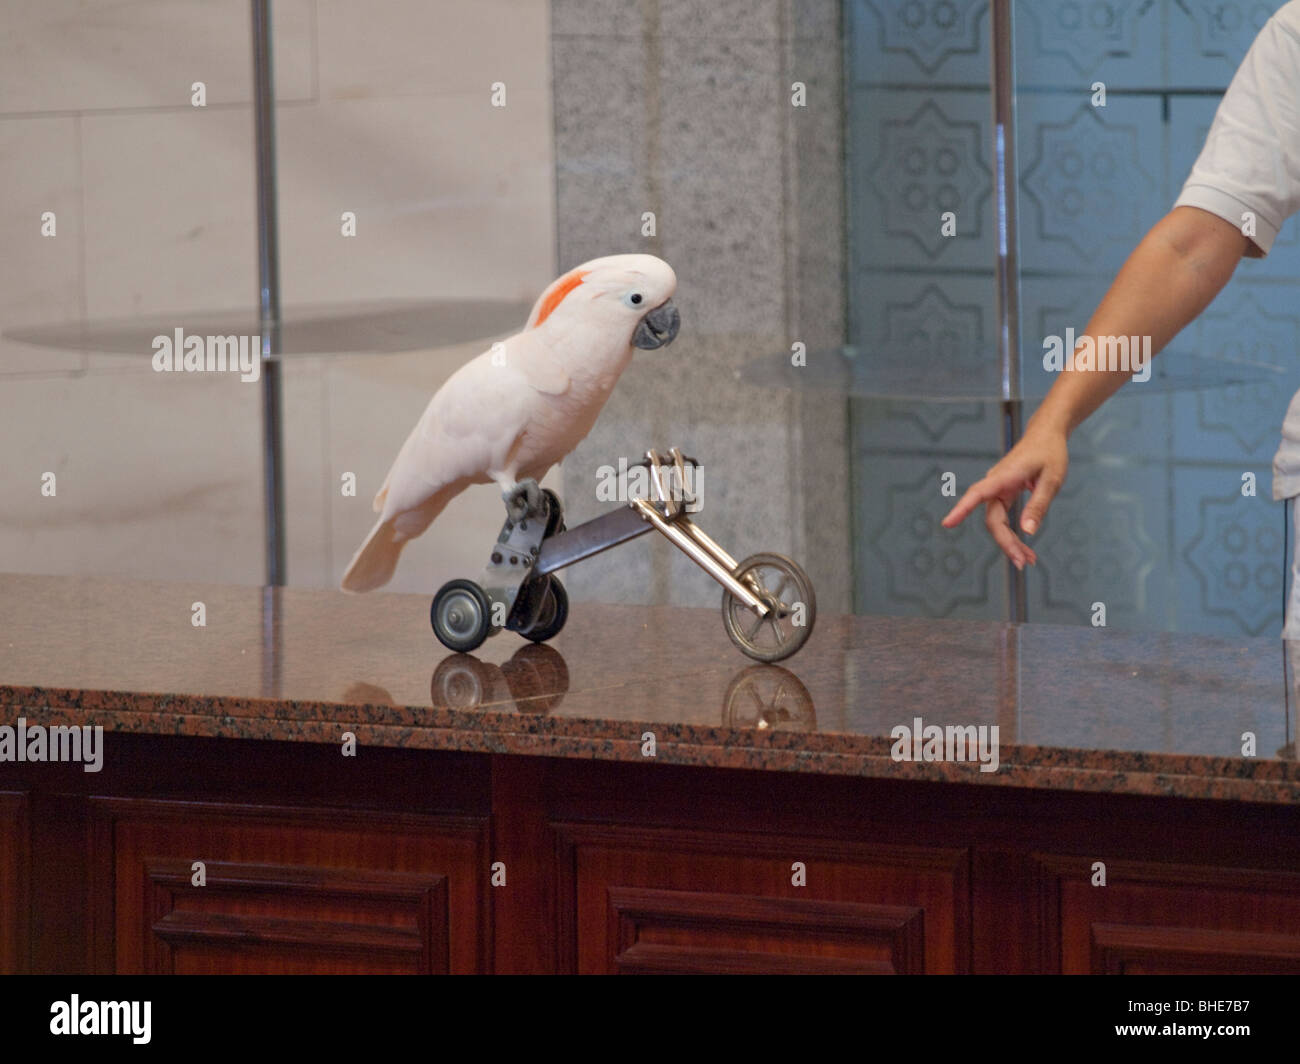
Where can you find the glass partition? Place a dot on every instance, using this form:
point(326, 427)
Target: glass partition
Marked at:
point(1112, 103)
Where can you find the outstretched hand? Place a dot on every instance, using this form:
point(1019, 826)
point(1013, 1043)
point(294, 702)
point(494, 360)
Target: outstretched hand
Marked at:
point(1036, 464)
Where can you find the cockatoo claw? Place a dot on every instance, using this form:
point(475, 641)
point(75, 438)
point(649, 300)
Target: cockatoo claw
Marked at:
point(524, 500)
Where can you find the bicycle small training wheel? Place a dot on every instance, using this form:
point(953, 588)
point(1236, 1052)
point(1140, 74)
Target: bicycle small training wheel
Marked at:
point(553, 614)
point(555, 518)
point(461, 615)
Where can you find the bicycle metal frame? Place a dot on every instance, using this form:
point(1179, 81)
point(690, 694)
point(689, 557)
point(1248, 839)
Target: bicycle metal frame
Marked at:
point(667, 515)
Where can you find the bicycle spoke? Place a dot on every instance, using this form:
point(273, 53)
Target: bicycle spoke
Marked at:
point(776, 627)
point(758, 623)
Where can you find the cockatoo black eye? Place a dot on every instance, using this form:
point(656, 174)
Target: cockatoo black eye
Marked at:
point(633, 299)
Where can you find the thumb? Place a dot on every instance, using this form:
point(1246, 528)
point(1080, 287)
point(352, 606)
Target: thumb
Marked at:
point(1049, 483)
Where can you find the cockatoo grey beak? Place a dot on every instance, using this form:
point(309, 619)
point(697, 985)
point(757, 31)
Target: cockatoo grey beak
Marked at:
point(657, 328)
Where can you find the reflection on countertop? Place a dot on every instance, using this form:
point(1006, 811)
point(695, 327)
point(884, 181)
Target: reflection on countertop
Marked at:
point(1076, 708)
point(534, 680)
point(768, 696)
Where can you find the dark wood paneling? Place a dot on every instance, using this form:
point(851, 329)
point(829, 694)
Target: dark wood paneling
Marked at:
point(330, 864)
point(293, 890)
point(1132, 950)
point(1004, 827)
point(926, 889)
point(524, 908)
point(15, 879)
point(667, 932)
point(58, 879)
point(72, 925)
point(1165, 917)
point(1004, 932)
point(280, 917)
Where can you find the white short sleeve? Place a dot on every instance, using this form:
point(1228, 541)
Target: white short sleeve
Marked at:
point(1251, 159)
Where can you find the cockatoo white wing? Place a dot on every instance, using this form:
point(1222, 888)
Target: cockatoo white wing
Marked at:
point(473, 423)
point(465, 431)
point(470, 431)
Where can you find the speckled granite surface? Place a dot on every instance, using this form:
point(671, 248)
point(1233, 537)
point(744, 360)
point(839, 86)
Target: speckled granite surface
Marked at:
point(1076, 708)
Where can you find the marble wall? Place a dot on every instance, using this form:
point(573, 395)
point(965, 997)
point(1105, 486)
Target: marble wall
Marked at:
point(684, 108)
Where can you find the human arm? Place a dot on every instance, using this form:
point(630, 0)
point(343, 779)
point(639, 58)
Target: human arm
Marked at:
point(1171, 276)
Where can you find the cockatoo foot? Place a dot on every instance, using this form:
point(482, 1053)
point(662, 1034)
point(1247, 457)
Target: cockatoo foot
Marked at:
point(524, 500)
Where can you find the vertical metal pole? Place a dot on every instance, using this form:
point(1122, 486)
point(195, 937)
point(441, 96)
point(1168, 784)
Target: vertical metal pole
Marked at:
point(268, 276)
point(1008, 276)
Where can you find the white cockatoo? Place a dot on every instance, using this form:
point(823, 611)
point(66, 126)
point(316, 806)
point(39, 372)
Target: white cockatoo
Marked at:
point(512, 412)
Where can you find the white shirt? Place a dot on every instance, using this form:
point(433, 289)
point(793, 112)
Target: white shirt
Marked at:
point(1250, 165)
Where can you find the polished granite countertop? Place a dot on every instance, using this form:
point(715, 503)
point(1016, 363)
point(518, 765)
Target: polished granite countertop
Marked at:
point(1076, 708)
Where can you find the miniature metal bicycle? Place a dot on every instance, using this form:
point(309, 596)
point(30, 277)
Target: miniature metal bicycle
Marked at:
point(768, 603)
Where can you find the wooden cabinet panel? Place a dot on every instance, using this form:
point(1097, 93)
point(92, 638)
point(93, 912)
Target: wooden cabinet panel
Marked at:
point(287, 890)
point(641, 900)
point(15, 877)
point(1167, 918)
point(321, 920)
point(1128, 950)
point(665, 932)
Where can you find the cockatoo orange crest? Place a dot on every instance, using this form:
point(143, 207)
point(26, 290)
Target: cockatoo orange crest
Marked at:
point(521, 406)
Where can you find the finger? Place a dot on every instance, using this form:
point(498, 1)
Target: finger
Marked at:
point(1036, 508)
point(975, 495)
point(995, 520)
point(1027, 552)
point(990, 487)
